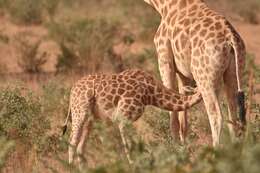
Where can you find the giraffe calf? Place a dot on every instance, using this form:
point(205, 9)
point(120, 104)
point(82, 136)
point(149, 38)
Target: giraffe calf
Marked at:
point(118, 95)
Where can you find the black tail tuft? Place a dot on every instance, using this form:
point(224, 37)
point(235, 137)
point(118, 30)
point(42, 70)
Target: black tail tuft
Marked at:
point(241, 106)
point(64, 128)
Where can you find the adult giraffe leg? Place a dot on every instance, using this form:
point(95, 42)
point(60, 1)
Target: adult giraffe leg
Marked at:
point(85, 133)
point(168, 75)
point(214, 113)
point(209, 85)
point(230, 83)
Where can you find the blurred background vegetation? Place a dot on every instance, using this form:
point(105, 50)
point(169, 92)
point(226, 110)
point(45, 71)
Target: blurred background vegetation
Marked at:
point(46, 45)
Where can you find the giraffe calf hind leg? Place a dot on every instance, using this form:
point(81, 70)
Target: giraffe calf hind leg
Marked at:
point(74, 140)
point(126, 149)
point(80, 148)
point(78, 120)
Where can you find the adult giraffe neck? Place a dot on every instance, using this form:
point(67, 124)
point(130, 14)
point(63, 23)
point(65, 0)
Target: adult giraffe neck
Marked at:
point(163, 6)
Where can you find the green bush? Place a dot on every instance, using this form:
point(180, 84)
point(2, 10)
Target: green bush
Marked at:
point(144, 60)
point(21, 117)
point(3, 4)
point(26, 11)
point(241, 157)
point(30, 60)
point(247, 9)
point(87, 40)
point(5, 146)
point(145, 19)
point(51, 7)
point(4, 38)
point(67, 60)
point(54, 95)
point(251, 65)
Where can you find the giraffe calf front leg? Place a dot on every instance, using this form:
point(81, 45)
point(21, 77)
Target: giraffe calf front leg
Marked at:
point(126, 149)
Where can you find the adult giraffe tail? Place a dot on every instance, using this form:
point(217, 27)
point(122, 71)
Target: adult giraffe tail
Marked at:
point(240, 53)
point(64, 127)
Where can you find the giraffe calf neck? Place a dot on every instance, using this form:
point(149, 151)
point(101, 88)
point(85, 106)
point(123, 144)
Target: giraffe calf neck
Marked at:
point(127, 92)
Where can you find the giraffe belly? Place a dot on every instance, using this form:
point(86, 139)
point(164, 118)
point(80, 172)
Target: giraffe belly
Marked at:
point(182, 56)
point(182, 63)
point(183, 67)
point(101, 112)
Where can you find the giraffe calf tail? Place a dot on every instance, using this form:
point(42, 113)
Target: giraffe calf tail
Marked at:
point(65, 125)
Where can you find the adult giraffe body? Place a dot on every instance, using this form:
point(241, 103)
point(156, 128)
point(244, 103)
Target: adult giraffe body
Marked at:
point(194, 42)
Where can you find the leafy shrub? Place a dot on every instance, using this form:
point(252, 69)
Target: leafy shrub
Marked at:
point(51, 7)
point(150, 24)
point(5, 146)
point(21, 117)
point(239, 157)
point(30, 59)
point(147, 57)
point(54, 95)
point(247, 9)
point(251, 65)
point(54, 102)
point(3, 4)
point(26, 11)
point(69, 3)
point(142, 15)
point(89, 40)
point(67, 60)
point(4, 38)
point(159, 120)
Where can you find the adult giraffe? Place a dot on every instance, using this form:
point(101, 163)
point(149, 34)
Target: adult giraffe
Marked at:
point(194, 42)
